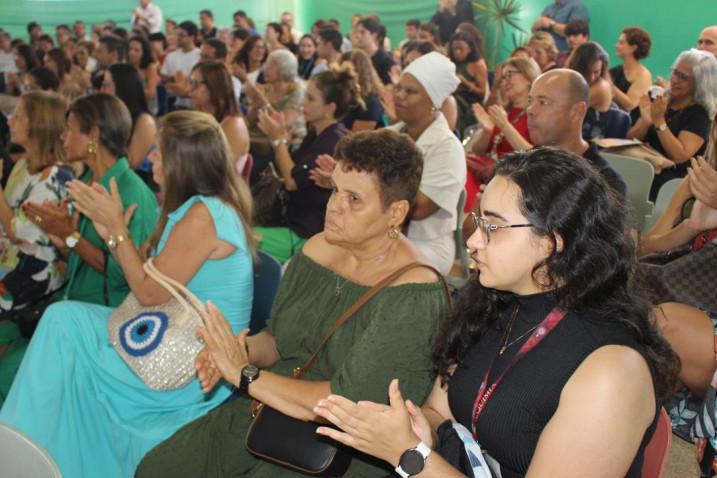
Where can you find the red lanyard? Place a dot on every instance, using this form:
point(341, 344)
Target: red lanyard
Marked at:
point(703, 239)
point(485, 392)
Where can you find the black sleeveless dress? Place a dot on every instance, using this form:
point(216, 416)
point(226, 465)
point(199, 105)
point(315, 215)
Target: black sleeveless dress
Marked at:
point(619, 79)
point(528, 396)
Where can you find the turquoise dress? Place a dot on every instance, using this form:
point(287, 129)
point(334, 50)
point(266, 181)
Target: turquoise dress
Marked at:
point(75, 395)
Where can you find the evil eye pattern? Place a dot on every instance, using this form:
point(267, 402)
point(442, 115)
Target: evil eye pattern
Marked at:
point(142, 334)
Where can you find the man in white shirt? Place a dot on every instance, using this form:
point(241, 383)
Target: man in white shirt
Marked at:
point(7, 58)
point(178, 64)
point(147, 15)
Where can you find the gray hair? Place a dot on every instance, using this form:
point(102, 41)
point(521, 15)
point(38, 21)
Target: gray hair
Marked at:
point(286, 62)
point(704, 72)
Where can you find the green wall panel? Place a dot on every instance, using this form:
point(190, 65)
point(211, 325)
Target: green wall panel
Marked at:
point(15, 14)
point(674, 25)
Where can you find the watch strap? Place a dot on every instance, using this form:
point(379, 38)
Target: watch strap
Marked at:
point(425, 452)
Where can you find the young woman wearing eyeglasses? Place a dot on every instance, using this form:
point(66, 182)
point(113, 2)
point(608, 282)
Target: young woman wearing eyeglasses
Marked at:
point(677, 124)
point(550, 362)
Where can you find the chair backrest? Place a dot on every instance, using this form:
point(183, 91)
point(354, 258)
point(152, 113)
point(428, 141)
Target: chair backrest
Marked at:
point(617, 123)
point(267, 274)
point(21, 457)
point(655, 460)
point(664, 195)
point(638, 175)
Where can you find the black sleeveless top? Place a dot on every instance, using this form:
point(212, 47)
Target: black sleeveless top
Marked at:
point(528, 396)
point(620, 80)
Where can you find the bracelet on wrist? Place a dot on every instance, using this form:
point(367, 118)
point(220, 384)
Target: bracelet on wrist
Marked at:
point(276, 142)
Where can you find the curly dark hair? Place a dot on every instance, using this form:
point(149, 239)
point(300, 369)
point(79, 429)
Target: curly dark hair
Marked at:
point(393, 157)
point(591, 275)
point(640, 38)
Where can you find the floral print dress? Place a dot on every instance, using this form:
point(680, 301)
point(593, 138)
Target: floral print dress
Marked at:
point(31, 268)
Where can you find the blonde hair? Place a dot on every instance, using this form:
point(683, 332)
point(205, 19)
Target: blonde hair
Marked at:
point(197, 160)
point(544, 41)
point(45, 112)
point(368, 79)
point(526, 66)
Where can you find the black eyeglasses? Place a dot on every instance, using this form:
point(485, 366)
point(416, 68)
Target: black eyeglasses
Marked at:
point(486, 228)
point(679, 75)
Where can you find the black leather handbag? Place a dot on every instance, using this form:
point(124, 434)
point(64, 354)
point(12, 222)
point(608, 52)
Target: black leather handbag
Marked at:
point(294, 443)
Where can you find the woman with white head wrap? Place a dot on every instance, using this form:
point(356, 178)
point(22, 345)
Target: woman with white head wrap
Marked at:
point(423, 87)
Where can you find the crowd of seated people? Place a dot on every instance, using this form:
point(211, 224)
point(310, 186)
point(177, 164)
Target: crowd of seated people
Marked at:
point(160, 140)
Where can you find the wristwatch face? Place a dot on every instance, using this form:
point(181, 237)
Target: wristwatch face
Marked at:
point(111, 242)
point(412, 462)
point(71, 241)
point(250, 372)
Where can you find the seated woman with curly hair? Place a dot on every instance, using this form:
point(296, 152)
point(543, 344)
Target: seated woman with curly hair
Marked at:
point(547, 343)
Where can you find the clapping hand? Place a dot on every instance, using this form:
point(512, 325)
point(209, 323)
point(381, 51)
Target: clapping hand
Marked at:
point(225, 354)
point(703, 181)
point(658, 108)
point(103, 208)
point(702, 218)
point(54, 219)
point(321, 174)
point(645, 106)
point(484, 119)
point(499, 116)
point(383, 431)
point(272, 124)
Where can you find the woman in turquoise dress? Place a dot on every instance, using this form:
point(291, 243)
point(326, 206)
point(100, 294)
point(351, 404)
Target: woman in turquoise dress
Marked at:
point(73, 393)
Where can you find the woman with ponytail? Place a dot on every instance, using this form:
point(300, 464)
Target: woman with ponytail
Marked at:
point(329, 96)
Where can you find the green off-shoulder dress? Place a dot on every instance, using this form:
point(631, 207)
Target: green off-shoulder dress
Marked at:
point(388, 338)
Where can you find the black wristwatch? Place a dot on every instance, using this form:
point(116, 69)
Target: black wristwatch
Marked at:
point(413, 460)
point(248, 375)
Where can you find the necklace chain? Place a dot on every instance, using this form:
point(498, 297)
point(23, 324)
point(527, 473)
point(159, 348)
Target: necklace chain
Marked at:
point(505, 346)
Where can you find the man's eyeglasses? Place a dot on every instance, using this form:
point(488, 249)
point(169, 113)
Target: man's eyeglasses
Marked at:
point(486, 228)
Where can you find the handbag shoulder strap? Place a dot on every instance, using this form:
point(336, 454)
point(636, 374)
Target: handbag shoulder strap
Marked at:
point(368, 295)
point(183, 295)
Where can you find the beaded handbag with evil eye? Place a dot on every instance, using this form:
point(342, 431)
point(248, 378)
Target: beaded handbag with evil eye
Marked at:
point(159, 343)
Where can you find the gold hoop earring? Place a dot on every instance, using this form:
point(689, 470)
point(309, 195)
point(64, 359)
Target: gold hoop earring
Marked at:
point(393, 232)
point(92, 147)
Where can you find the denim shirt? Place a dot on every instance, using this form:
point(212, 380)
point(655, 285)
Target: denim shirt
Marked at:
point(562, 11)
